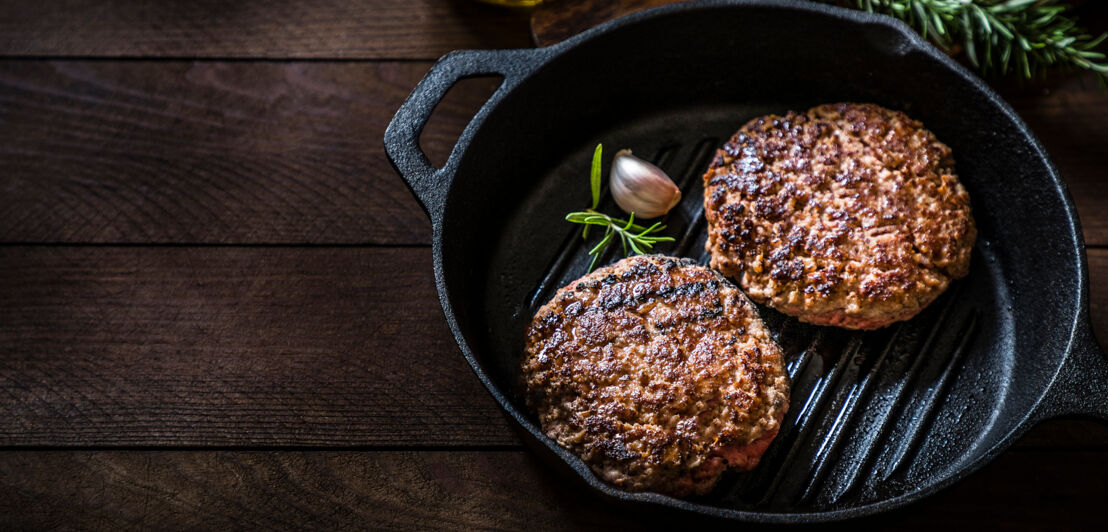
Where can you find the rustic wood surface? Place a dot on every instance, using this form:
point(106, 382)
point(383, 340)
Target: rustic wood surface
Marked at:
point(212, 151)
point(279, 346)
point(553, 23)
point(458, 490)
point(290, 152)
point(218, 307)
point(252, 29)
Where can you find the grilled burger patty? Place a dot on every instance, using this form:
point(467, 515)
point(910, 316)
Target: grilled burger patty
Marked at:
point(847, 215)
point(659, 373)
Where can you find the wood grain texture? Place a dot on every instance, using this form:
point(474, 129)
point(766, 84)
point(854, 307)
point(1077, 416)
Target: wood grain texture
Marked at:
point(1065, 433)
point(366, 29)
point(261, 347)
point(1070, 116)
point(230, 153)
point(509, 490)
point(184, 152)
point(232, 346)
point(121, 346)
point(555, 22)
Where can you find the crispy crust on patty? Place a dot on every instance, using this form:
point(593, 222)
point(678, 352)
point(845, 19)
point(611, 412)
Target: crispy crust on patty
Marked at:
point(658, 372)
point(847, 215)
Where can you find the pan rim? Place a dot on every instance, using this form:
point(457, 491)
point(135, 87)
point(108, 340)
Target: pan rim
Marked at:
point(913, 43)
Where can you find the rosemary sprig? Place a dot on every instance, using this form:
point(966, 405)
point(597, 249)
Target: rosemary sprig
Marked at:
point(1025, 36)
point(634, 237)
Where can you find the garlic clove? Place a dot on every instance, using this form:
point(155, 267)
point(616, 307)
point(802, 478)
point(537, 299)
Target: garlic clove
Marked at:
point(640, 187)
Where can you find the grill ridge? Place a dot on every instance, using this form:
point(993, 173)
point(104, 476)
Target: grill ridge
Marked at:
point(813, 405)
point(556, 270)
point(926, 408)
point(690, 183)
point(896, 407)
point(856, 396)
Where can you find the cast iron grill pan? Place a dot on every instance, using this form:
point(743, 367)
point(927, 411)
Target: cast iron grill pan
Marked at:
point(861, 401)
point(877, 419)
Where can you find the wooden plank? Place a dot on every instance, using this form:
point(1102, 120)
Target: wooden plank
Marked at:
point(1070, 117)
point(1098, 292)
point(509, 490)
point(117, 346)
point(365, 29)
point(1065, 433)
point(1018, 491)
point(182, 152)
point(555, 22)
point(232, 346)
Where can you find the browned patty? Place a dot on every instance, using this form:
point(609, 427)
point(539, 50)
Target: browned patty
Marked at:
point(847, 215)
point(658, 373)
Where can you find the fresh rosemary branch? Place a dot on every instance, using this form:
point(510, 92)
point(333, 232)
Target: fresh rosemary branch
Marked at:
point(635, 238)
point(1026, 36)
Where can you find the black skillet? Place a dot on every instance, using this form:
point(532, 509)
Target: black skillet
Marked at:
point(877, 419)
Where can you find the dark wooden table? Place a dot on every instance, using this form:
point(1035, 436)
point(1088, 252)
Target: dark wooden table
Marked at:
point(217, 302)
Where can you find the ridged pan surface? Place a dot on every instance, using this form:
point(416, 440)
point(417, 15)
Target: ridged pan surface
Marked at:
point(877, 419)
point(871, 412)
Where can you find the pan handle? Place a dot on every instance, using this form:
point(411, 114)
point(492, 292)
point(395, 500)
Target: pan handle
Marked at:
point(428, 183)
point(1081, 386)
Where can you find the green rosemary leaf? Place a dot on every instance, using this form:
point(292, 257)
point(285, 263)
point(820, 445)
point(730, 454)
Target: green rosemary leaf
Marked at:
point(937, 21)
point(634, 247)
point(1047, 16)
point(603, 242)
point(652, 228)
point(587, 219)
point(971, 48)
point(1013, 5)
point(1026, 36)
point(982, 19)
point(577, 217)
point(592, 264)
point(988, 62)
point(1001, 28)
point(594, 175)
point(967, 41)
